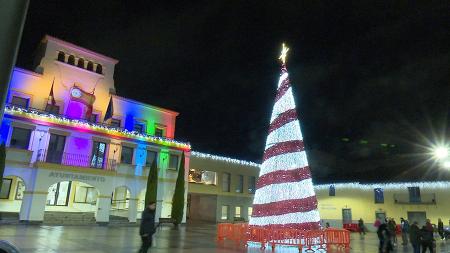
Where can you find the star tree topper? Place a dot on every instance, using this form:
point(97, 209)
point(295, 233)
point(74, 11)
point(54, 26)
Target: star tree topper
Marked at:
point(283, 55)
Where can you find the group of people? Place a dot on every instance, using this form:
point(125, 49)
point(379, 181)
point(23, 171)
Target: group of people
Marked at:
point(386, 231)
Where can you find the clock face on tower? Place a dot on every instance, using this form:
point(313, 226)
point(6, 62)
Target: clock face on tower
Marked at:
point(75, 92)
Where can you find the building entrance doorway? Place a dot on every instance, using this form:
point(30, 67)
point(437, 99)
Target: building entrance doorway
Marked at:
point(420, 217)
point(381, 216)
point(346, 216)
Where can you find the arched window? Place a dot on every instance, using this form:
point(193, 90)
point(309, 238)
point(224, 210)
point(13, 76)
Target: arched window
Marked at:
point(90, 66)
point(71, 60)
point(80, 63)
point(61, 56)
point(99, 69)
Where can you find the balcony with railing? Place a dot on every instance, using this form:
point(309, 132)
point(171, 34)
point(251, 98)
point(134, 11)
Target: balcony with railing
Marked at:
point(422, 199)
point(75, 160)
point(56, 118)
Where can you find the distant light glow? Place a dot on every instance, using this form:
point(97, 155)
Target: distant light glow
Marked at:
point(440, 152)
point(446, 164)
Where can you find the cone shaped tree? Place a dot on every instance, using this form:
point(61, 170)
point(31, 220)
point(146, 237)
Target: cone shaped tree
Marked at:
point(285, 196)
point(178, 195)
point(152, 184)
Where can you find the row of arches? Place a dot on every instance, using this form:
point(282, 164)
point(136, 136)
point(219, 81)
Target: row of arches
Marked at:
point(76, 198)
point(80, 62)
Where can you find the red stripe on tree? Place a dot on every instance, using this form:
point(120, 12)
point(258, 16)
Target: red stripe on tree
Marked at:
point(282, 119)
point(300, 226)
point(283, 176)
point(285, 85)
point(284, 148)
point(285, 206)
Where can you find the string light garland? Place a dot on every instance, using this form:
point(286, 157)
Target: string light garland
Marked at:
point(386, 186)
point(224, 159)
point(40, 117)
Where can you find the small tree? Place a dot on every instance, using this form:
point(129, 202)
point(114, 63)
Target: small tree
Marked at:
point(152, 184)
point(178, 195)
point(2, 162)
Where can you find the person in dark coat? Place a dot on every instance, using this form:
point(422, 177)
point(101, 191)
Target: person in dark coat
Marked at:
point(414, 237)
point(441, 228)
point(362, 228)
point(426, 239)
point(385, 239)
point(147, 228)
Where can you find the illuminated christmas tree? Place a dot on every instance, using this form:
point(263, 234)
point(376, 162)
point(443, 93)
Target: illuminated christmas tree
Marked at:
point(285, 196)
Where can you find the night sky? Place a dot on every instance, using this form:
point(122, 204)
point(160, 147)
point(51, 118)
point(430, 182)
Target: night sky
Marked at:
point(371, 80)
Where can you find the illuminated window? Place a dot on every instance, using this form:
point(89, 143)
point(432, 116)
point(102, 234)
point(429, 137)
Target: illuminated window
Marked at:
point(20, 189)
point(250, 212)
point(20, 101)
point(98, 155)
point(80, 63)
point(226, 182)
point(173, 162)
point(86, 195)
point(224, 213)
point(237, 211)
point(126, 155)
point(202, 177)
point(251, 185)
point(71, 60)
point(240, 185)
point(379, 195)
point(20, 138)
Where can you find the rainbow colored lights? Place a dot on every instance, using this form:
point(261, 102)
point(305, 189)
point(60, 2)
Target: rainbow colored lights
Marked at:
point(60, 121)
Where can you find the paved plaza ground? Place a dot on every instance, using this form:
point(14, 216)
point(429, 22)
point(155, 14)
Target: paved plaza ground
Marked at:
point(195, 238)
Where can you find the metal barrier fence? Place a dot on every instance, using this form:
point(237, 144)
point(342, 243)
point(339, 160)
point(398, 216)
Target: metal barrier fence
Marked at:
point(314, 240)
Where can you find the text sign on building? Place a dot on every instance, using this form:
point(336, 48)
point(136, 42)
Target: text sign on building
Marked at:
point(75, 177)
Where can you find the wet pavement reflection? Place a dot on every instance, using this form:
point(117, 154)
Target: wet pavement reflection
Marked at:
point(196, 238)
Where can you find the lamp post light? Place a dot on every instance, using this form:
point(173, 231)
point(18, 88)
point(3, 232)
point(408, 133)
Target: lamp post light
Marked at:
point(440, 153)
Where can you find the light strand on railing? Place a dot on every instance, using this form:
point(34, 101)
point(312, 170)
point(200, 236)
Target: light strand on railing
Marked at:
point(36, 115)
point(394, 186)
point(224, 159)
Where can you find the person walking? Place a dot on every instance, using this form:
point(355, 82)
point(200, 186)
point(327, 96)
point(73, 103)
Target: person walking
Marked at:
point(414, 237)
point(362, 228)
point(147, 228)
point(426, 239)
point(392, 226)
point(405, 230)
point(377, 223)
point(385, 239)
point(441, 228)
